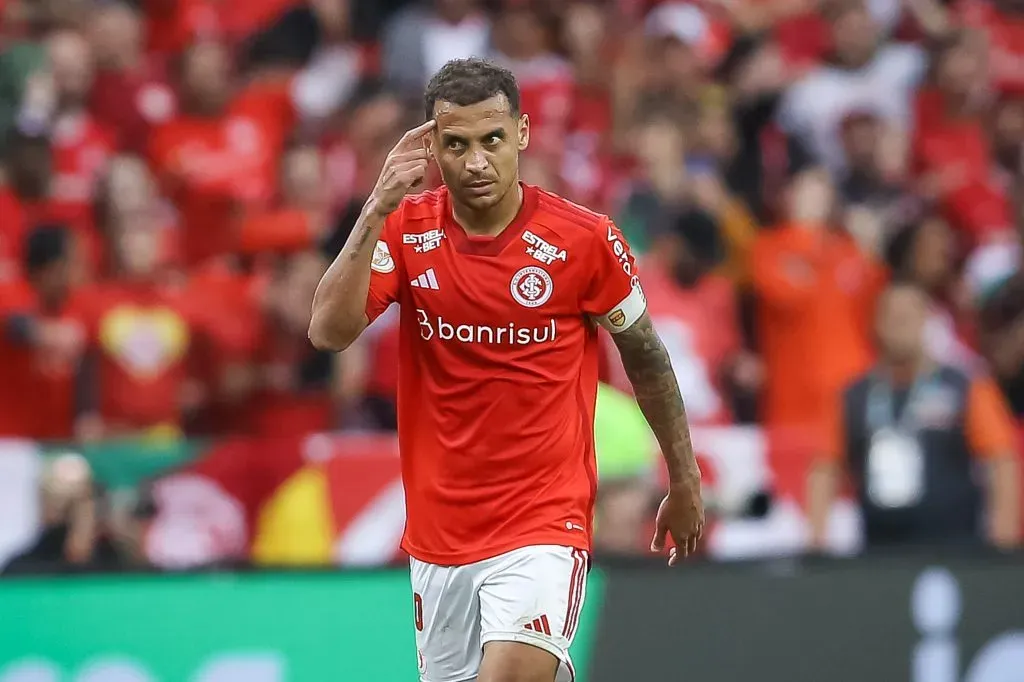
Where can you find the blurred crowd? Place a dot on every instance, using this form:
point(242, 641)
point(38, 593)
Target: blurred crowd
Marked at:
point(176, 175)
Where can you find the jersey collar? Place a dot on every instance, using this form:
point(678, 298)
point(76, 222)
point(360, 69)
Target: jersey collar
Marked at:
point(490, 246)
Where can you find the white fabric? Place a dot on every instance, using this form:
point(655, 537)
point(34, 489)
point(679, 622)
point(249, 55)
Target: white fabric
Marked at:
point(814, 108)
point(499, 599)
point(443, 42)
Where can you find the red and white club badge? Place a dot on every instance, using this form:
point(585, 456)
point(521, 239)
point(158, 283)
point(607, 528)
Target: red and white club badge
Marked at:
point(531, 286)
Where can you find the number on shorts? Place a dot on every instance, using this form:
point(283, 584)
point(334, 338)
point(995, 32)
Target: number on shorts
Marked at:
point(417, 602)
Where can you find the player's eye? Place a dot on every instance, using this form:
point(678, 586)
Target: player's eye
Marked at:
point(492, 140)
point(456, 145)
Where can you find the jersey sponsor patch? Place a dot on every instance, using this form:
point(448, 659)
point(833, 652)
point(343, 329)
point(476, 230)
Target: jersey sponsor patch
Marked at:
point(542, 250)
point(424, 241)
point(382, 261)
point(628, 311)
point(531, 286)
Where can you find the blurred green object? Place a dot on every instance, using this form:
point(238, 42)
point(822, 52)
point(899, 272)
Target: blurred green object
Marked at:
point(17, 63)
point(626, 447)
point(127, 463)
point(257, 627)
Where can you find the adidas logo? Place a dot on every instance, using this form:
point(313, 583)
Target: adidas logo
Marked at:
point(426, 281)
point(539, 625)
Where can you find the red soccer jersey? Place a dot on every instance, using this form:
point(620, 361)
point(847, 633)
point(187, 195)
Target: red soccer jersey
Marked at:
point(498, 360)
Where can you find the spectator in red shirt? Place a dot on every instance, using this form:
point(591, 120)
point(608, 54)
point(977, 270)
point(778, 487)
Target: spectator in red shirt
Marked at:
point(41, 340)
point(24, 185)
point(951, 148)
point(140, 330)
point(300, 216)
point(221, 155)
point(56, 103)
point(129, 95)
point(523, 45)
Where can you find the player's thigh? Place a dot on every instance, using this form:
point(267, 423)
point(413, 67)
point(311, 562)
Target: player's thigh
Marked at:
point(530, 603)
point(446, 615)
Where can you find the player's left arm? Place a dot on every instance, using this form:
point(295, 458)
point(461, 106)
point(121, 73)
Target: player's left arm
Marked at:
point(616, 300)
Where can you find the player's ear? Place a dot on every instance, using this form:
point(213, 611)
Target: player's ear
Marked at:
point(523, 130)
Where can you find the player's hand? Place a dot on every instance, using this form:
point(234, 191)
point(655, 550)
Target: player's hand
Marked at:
point(404, 168)
point(680, 515)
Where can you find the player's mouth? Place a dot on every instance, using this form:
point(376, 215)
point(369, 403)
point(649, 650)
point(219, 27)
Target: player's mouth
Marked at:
point(479, 187)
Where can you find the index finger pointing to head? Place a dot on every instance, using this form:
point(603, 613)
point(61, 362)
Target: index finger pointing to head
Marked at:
point(415, 134)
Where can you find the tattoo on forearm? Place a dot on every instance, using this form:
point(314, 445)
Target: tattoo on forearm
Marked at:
point(654, 382)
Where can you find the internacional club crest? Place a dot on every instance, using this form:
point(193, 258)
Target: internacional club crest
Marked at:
point(531, 286)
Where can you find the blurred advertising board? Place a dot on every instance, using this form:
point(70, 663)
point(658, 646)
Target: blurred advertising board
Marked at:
point(250, 627)
point(915, 618)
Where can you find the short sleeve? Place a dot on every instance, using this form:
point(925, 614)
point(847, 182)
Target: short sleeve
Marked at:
point(612, 295)
point(989, 426)
point(385, 274)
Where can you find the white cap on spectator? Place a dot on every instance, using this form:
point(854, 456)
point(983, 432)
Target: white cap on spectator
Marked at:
point(682, 21)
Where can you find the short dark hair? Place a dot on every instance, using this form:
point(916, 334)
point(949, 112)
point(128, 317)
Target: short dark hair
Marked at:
point(468, 81)
point(44, 246)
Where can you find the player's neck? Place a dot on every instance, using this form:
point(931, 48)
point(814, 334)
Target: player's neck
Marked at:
point(492, 221)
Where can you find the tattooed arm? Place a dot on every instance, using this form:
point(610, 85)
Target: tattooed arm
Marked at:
point(654, 383)
point(339, 304)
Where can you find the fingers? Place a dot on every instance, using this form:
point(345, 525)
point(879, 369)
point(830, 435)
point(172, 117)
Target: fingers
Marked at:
point(411, 139)
point(685, 545)
point(407, 174)
point(417, 154)
point(661, 530)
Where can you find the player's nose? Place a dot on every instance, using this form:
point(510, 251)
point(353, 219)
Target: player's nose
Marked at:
point(477, 162)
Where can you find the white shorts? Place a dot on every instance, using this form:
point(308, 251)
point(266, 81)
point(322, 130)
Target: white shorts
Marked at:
point(532, 595)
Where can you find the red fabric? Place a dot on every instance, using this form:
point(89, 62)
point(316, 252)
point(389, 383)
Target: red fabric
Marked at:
point(141, 334)
point(13, 228)
point(131, 103)
point(212, 168)
point(975, 203)
point(546, 92)
point(37, 391)
point(383, 370)
point(588, 168)
point(81, 149)
point(1006, 42)
point(698, 327)
point(173, 24)
point(496, 410)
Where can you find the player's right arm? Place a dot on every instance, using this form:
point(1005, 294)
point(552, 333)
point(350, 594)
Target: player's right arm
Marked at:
point(340, 303)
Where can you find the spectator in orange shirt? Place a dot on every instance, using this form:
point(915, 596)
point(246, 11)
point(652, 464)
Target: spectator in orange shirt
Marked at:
point(814, 290)
point(909, 432)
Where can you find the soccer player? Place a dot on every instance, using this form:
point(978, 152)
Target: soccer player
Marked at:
point(501, 287)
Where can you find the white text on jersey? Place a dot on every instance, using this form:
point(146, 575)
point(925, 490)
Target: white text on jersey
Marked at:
point(509, 335)
point(424, 241)
point(541, 250)
point(621, 251)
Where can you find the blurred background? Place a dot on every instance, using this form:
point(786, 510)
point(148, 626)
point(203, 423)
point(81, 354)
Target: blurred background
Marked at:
point(182, 474)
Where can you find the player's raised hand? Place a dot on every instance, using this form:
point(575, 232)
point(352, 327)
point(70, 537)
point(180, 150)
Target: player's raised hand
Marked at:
point(680, 515)
point(404, 168)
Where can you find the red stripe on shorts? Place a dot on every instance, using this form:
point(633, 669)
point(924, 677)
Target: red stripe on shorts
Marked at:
point(578, 603)
point(576, 569)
